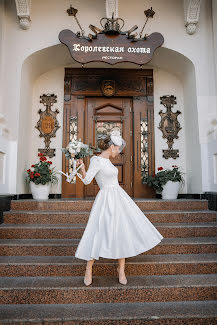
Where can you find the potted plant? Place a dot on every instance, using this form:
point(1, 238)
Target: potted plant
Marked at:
point(165, 181)
point(41, 178)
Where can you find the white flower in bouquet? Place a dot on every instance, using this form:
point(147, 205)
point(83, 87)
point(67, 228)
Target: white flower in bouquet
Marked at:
point(75, 150)
point(71, 150)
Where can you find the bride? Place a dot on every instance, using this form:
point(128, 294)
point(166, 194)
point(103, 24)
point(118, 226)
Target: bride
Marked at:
point(116, 227)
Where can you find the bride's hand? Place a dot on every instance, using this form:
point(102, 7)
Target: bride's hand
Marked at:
point(79, 162)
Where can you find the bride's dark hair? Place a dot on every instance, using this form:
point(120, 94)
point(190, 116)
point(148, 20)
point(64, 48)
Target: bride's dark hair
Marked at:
point(104, 144)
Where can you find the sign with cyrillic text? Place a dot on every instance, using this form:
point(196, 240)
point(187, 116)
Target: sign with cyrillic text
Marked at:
point(111, 49)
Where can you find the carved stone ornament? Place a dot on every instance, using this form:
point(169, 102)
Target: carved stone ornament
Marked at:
point(192, 13)
point(111, 8)
point(108, 87)
point(48, 124)
point(169, 125)
point(23, 13)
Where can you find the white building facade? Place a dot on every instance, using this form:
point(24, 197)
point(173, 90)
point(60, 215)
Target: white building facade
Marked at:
point(33, 62)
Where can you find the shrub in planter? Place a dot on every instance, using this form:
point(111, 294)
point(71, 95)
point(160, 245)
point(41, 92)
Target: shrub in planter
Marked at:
point(41, 178)
point(158, 180)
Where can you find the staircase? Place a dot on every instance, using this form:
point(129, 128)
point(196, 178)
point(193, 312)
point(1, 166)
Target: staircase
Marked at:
point(41, 282)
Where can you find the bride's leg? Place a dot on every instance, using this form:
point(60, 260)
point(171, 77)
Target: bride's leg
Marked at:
point(88, 272)
point(121, 266)
point(90, 264)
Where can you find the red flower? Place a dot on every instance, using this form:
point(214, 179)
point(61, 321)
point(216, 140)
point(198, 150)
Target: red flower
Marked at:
point(33, 166)
point(50, 162)
point(40, 154)
point(31, 176)
point(28, 170)
point(43, 158)
point(160, 168)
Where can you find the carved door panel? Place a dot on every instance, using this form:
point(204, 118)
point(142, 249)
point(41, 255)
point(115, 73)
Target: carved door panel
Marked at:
point(103, 115)
point(73, 126)
point(143, 129)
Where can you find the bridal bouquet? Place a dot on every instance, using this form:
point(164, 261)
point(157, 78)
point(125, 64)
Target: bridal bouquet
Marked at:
point(76, 150)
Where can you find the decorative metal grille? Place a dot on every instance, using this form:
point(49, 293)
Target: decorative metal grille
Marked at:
point(73, 131)
point(144, 145)
point(106, 128)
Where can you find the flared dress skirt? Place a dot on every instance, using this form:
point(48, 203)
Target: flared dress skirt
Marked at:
point(116, 227)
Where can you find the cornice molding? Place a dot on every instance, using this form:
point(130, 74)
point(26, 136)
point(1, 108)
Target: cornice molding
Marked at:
point(192, 13)
point(23, 13)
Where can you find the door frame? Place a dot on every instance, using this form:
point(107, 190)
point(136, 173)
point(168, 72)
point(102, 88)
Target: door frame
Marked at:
point(81, 83)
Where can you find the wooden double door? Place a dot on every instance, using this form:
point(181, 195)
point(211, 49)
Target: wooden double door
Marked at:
point(87, 115)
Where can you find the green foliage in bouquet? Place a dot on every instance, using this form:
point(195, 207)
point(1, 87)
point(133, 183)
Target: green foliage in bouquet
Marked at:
point(157, 181)
point(42, 173)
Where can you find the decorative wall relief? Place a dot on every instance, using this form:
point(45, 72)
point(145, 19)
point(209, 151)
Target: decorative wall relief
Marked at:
point(169, 125)
point(48, 124)
point(108, 87)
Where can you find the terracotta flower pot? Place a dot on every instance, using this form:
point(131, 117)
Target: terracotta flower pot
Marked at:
point(40, 191)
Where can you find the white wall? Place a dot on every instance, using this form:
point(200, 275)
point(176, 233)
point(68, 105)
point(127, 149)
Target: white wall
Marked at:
point(209, 146)
point(210, 151)
point(180, 66)
point(8, 148)
point(168, 84)
point(33, 67)
point(2, 51)
point(50, 82)
point(8, 164)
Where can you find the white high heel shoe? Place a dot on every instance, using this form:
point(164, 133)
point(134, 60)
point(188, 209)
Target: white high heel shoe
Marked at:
point(87, 280)
point(122, 280)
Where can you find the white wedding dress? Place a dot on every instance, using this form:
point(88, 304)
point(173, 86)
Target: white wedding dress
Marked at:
point(116, 227)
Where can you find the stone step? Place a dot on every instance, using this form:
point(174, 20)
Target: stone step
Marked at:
point(70, 217)
point(67, 247)
point(136, 313)
point(172, 264)
point(168, 230)
point(66, 290)
point(81, 205)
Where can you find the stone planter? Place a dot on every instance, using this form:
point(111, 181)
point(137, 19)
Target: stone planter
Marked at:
point(40, 192)
point(170, 190)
